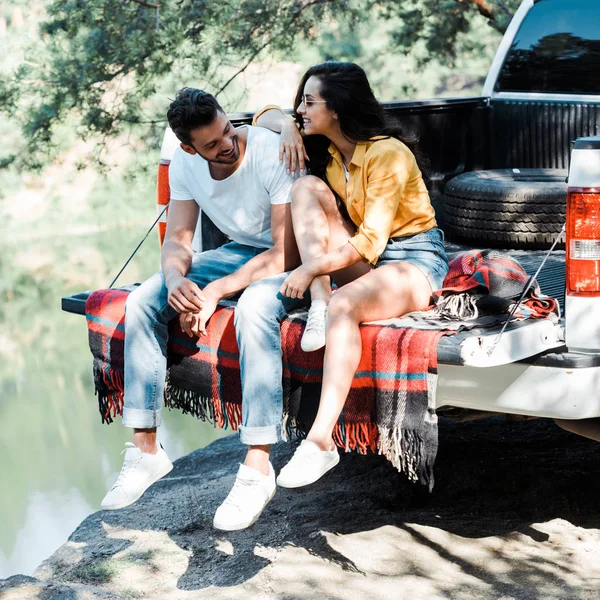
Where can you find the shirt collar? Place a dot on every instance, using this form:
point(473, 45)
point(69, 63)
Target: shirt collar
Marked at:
point(357, 158)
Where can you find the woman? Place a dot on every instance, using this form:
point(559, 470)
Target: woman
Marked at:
point(362, 218)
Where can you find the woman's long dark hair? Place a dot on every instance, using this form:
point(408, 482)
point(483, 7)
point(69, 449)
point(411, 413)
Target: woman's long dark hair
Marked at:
point(346, 90)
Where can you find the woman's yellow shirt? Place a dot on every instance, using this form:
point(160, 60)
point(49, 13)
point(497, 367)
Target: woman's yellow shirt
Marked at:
point(385, 194)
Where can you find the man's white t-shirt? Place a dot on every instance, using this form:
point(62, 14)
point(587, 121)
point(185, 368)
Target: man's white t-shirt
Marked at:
point(240, 205)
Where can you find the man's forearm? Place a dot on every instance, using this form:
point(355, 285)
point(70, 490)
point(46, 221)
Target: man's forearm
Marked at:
point(269, 262)
point(175, 260)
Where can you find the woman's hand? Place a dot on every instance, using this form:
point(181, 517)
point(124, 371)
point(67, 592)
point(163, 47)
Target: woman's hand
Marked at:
point(291, 148)
point(297, 282)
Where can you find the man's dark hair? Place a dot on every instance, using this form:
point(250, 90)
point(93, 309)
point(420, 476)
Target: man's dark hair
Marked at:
point(192, 108)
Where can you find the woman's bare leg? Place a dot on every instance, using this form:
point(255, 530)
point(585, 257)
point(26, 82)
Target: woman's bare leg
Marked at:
point(320, 228)
point(384, 293)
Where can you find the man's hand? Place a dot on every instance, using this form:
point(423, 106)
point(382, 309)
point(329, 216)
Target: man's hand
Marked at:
point(297, 282)
point(185, 296)
point(194, 323)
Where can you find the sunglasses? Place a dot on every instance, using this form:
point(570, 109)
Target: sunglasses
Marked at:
point(309, 101)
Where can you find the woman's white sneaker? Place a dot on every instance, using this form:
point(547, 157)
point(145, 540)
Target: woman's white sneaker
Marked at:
point(308, 464)
point(140, 470)
point(313, 337)
point(249, 495)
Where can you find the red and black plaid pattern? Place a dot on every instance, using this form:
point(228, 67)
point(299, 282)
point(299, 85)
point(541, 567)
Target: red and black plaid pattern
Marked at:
point(390, 408)
point(105, 315)
point(391, 405)
point(498, 275)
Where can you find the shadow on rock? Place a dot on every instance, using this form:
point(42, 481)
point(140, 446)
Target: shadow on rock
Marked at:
point(493, 479)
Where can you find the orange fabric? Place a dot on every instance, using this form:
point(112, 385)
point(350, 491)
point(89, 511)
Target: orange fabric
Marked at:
point(356, 436)
point(163, 195)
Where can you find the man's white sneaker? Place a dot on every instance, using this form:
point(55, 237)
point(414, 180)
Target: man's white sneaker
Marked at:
point(313, 337)
point(248, 497)
point(308, 464)
point(140, 470)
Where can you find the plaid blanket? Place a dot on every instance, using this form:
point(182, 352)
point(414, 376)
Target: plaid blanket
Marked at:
point(391, 405)
point(390, 408)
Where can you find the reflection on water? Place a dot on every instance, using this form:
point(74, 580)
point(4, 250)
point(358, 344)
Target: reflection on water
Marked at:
point(58, 460)
point(49, 518)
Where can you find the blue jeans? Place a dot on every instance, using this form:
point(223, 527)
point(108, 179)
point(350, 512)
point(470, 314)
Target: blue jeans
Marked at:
point(424, 250)
point(258, 315)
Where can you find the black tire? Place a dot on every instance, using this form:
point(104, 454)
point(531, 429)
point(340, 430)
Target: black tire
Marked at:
point(507, 208)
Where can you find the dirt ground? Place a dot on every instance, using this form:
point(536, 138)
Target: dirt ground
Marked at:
point(514, 514)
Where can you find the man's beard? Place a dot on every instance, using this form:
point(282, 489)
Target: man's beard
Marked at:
point(229, 159)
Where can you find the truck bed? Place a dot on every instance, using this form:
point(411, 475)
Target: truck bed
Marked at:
point(552, 382)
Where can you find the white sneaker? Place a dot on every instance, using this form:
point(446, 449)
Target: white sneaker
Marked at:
point(314, 333)
point(249, 495)
point(308, 464)
point(140, 470)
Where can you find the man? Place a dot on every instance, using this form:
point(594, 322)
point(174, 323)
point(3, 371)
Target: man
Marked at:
point(235, 177)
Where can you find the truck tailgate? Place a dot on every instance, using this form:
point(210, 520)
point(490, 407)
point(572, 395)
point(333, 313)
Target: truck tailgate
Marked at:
point(551, 382)
point(521, 340)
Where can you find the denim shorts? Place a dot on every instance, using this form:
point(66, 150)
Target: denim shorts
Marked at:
point(424, 250)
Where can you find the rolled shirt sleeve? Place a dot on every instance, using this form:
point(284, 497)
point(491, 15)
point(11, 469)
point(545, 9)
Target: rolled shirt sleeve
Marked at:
point(387, 174)
point(262, 111)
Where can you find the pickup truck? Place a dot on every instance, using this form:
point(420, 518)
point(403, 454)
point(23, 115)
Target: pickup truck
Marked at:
point(499, 162)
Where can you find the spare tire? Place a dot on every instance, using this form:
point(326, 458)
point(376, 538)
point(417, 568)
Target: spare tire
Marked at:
point(508, 208)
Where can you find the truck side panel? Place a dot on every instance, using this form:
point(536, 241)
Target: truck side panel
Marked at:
point(521, 389)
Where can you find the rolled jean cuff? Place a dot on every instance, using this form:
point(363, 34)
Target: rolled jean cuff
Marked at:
point(260, 436)
point(141, 418)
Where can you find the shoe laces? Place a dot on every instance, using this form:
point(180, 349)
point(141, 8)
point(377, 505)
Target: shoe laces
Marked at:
point(316, 319)
point(304, 454)
point(240, 490)
point(129, 465)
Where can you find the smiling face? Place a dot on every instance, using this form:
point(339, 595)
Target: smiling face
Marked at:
point(317, 118)
point(217, 142)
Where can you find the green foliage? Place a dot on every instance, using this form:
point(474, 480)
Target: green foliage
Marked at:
point(439, 26)
point(102, 62)
point(94, 573)
point(396, 73)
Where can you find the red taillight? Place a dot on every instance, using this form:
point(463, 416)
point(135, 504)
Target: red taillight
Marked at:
point(163, 194)
point(583, 242)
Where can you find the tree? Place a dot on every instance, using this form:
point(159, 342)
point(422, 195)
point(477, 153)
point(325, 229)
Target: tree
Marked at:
point(100, 62)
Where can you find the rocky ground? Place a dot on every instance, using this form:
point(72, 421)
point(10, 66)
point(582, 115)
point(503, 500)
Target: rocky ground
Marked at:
point(514, 514)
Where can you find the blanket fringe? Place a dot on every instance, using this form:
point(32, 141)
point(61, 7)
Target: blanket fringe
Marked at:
point(218, 413)
point(360, 437)
point(110, 390)
point(234, 415)
point(406, 451)
point(356, 436)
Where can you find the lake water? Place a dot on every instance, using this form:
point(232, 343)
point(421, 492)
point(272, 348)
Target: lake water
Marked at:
point(58, 459)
